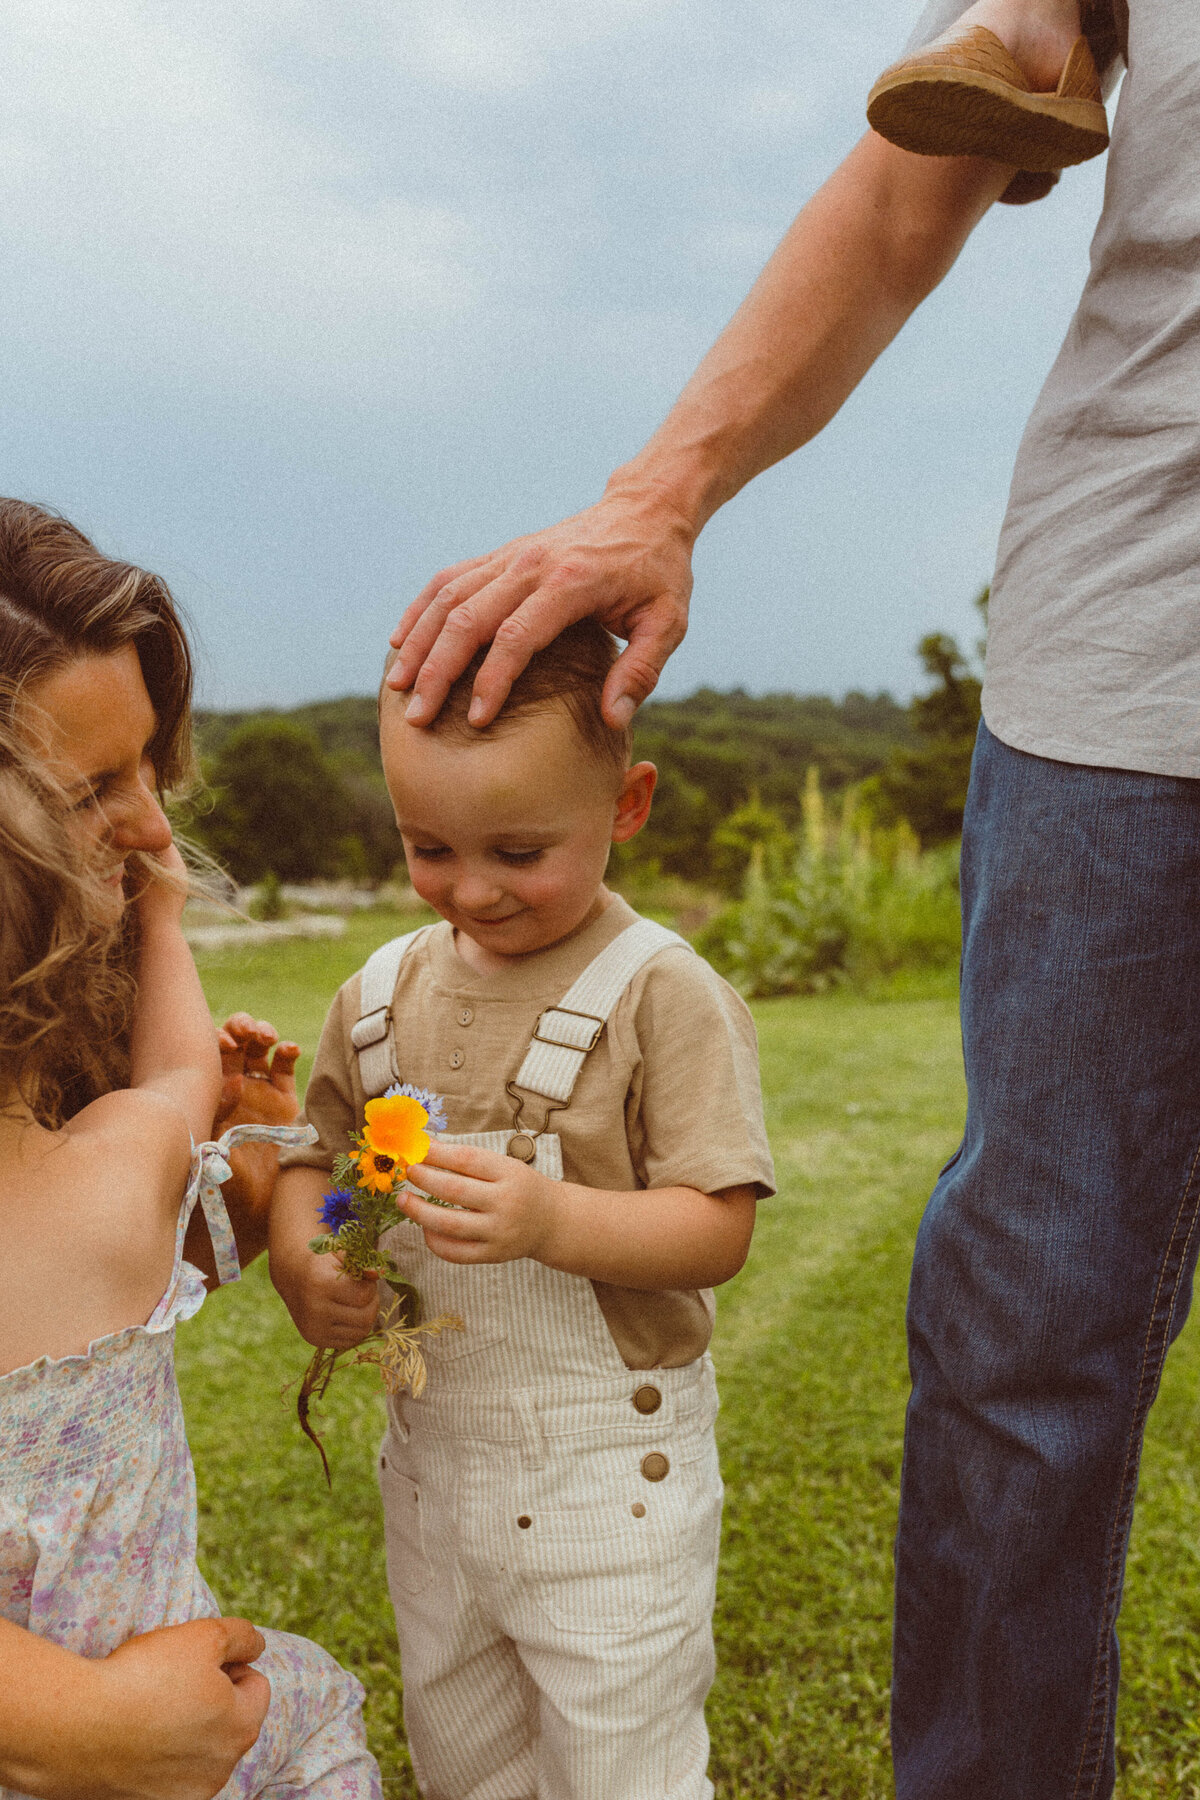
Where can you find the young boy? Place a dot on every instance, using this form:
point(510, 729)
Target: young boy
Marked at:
point(1014, 80)
point(552, 1502)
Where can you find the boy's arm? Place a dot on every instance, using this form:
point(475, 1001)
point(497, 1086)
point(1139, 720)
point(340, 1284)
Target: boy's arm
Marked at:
point(173, 1046)
point(652, 1238)
point(857, 261)
point(328, 1308)
point(165, 1717)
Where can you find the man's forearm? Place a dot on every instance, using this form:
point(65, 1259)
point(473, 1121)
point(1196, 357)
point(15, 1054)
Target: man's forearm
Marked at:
point(858, 260)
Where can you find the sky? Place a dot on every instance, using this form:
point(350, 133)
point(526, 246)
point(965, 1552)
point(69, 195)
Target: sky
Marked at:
point(304, 300)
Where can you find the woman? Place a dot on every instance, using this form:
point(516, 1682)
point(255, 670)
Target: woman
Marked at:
point(94, 659)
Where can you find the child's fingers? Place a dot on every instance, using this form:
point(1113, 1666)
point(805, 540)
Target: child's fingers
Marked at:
point(472, 1196)
point(466, 1159)
point(454, 1251)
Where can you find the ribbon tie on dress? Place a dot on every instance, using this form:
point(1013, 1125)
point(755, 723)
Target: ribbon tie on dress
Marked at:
point(214, 1171)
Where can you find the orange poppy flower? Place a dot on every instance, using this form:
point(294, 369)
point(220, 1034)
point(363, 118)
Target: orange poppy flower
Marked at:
point(393, 1136)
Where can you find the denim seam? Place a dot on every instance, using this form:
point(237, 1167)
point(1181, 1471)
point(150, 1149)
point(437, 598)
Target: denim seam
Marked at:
point(1154, 1354)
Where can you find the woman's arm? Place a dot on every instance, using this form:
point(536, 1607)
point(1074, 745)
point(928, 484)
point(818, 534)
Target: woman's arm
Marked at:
point(858, 260)
point(173, 1044)
point(165, 1717)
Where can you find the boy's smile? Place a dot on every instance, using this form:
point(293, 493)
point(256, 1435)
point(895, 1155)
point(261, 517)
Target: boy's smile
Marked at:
point(507, 834)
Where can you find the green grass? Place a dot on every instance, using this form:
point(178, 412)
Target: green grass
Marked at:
point(865, 1101)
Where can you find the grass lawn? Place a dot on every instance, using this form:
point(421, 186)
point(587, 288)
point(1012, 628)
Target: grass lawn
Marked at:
point(865, 1101)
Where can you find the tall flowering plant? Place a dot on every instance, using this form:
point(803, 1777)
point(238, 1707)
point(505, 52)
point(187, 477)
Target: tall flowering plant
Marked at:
point(356, 1213)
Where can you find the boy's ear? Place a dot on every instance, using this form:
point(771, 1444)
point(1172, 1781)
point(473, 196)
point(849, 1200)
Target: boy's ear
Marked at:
point(633, 801)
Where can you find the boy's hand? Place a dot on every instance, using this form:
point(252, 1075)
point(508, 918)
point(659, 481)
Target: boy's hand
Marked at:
point(329, 1309)
point(510, 1208)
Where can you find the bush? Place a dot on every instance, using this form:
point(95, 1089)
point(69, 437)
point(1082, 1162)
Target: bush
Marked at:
point(278, 804)
point(850, 903)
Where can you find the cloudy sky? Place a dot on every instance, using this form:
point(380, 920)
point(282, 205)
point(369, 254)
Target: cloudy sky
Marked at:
point(304, 298)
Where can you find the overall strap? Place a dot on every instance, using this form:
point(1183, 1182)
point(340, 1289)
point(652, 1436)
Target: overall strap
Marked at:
point(372, 1035)
point(567, 1032)
point(213, 1170)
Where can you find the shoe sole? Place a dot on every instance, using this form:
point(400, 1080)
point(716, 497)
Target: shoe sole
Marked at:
point(959, 112)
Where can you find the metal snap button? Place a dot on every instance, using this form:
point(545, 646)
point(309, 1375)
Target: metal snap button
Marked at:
point(466, 1014)
point(457, 1059)
point(647, 1399)
point(655, 1467)
point(524, 1521)
point(522, 1146)
point(638, 1510)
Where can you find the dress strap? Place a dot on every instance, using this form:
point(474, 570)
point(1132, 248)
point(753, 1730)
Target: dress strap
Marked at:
point(371, 1035)
point(565, 1033)
point(211, 1169)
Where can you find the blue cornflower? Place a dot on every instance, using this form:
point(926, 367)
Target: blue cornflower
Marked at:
point(338, 1209)
point(433, 1103)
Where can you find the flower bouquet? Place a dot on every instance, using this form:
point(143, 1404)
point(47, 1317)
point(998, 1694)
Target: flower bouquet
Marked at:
point(356, 1214)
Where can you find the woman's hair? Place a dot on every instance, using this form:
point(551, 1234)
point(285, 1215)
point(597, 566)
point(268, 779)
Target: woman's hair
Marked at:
point(65, 986)
point(61, 598)
point(65, 991)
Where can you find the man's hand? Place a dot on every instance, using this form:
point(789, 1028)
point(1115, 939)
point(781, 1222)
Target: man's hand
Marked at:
point(627, 560)
point(860, 257)
point(167, 1716)
point(509, 1209)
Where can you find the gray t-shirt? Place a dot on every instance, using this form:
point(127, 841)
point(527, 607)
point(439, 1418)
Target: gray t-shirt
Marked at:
point(1094, 634)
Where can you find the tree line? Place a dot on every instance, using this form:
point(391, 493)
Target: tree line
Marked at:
point(300, 793)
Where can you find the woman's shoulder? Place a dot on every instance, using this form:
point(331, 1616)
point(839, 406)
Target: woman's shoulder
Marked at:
point(134, 1124)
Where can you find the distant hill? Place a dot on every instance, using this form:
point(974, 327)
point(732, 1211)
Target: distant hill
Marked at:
point(714, 751)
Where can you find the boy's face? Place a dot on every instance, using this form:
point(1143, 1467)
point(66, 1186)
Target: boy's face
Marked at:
point(507, 836)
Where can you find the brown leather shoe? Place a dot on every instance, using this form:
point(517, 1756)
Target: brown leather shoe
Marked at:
point(966, 96)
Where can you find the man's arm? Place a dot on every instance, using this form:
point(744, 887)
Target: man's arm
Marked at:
point(858, 260)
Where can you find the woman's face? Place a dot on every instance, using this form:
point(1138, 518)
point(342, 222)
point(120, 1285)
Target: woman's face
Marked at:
point(91, 722)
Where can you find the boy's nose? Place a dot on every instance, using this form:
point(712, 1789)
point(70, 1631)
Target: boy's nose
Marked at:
point(477, 893)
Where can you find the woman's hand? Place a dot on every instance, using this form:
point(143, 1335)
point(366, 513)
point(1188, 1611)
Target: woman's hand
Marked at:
point(258, 1087)
point(167, 1716)
point(509, 1209)
point(157, 885)
point(627, 560)
point(258, 1075)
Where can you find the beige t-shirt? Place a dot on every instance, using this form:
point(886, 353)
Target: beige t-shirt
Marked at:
point(669, 1096)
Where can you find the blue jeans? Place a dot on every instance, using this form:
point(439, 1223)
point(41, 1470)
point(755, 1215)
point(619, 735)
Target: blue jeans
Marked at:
point(1053, 1269)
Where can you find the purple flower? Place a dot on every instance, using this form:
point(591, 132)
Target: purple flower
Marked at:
point(433, 1103)
point(338, 1209)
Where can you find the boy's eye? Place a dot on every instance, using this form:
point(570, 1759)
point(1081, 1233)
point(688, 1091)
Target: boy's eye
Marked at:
point(428, 852)
point(519, 858)
point(89, 800)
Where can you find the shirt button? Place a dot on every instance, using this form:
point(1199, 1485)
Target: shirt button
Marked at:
point(638, 1510)
point(647, 1399)
point(524, 1521)
point(457, 1059)
point(465, 1015)
point(655, 1467)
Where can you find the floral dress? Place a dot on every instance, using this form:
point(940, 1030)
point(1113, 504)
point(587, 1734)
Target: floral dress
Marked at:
point(98, 1519)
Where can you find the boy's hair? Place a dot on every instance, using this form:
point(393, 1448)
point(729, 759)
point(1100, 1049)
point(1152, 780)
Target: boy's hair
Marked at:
point(65, 990)
point(570, 671)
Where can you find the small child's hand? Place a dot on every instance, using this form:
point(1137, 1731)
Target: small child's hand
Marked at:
point(330, 1309)
point(510, 1209)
